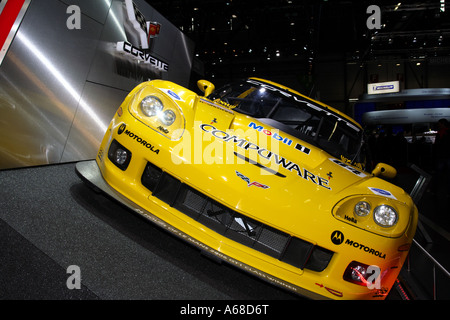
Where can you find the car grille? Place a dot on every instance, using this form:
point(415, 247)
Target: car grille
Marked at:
point(232, 224)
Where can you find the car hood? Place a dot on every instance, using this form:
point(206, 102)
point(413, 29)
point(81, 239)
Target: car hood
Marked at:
point(267, 174)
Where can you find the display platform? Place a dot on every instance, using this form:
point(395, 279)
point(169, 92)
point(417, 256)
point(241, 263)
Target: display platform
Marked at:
point(51, 220)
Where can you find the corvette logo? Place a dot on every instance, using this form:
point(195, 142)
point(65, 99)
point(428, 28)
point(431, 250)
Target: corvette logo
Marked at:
point(249, 184)
point(140, 36)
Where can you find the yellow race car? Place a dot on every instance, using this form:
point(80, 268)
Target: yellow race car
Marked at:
point(262, 177)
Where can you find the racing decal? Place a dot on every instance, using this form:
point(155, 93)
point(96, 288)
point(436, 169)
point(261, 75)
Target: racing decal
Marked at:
point(348, 167)
point(335, 292)
point(303, 149)
point(172, 94)
point(337, 237)
point(100, 154)
point(355, 164)
point(216, 106)
point(288, 94)
point(332, 291)
point(269, 133)
point(249, 184)
point(162, 129)
point(351, 219)
point(382, 192)
point(278, 137)
point(267, 154)
point(123, 130)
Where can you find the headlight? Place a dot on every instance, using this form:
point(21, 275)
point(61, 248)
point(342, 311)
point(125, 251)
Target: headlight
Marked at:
point(167, 117)
point(385, 216)
point(362, 209)
point(151, 106)
point(159, 112)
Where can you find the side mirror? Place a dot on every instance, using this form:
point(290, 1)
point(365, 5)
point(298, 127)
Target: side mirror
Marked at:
point(206, 87)
point(384, 170)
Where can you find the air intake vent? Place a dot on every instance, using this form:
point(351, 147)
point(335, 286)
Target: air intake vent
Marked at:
point(232, 224)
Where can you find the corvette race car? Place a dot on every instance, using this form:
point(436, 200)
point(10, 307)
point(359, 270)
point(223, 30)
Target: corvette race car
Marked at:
point(262, 177)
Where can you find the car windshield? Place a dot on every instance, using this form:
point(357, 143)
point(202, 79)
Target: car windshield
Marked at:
point(295, 115)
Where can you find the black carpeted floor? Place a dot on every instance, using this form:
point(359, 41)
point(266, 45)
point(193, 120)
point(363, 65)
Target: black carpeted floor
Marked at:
point(50, 220)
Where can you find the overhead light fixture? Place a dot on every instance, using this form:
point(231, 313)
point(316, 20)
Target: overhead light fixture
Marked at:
point(397, 6)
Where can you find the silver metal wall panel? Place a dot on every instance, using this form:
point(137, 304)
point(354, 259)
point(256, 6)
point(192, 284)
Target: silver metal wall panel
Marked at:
point(42, 78)
point(59, 88)
point(95, 9)
point(109, 67)
point(97, 107)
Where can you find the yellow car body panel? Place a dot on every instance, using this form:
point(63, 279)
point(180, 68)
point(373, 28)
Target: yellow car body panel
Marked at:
point(265, 178)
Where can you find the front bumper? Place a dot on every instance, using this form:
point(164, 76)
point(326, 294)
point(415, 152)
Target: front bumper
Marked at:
point(89, 172)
